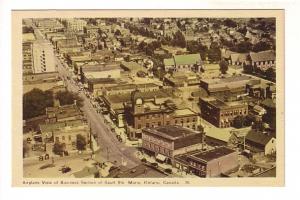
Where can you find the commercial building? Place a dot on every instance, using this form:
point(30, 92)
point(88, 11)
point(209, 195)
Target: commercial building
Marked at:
point(98, 71)
point(75, 25)
point(260, 142)
point(223, 86)
point(43, 57)
point(210, 163)
point(165, 142)
point(221, 113)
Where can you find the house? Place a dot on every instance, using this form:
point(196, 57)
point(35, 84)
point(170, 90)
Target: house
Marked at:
point(218, 137)
point(257, 141)
point(165, 142)
point(238, 58)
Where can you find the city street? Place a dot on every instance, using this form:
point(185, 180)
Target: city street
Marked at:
point(110, 148)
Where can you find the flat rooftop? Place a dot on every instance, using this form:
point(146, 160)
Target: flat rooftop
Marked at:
point(171, 132)
point(227, 79)
point(184, 112)
point(212, 154)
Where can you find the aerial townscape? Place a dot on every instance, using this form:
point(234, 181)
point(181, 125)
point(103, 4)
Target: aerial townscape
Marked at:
point(149, 97)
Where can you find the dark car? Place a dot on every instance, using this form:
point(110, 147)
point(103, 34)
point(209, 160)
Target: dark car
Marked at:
point(65, 169)
point(168, 170)
point(154, 164)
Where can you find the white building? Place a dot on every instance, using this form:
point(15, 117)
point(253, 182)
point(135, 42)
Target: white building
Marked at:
point(43, 57)
point(75, 25)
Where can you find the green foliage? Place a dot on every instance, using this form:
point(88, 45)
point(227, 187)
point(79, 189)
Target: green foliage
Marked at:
point(261, 46)
point(238, 121)
point(80, 142)
point(118, 32)
point(223, 66)
point(179, 40)
point(270, 74)
point(67, 98)
point(230, 23)
point(35, 103)
point(197, 47)
point(58, 148)
point(214, 53)
point(249, 119)
point(242, 47)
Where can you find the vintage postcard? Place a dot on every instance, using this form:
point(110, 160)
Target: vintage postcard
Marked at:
point(148, 97)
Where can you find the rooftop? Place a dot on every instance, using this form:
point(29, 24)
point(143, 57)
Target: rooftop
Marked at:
point(187, 59)
point(211, 154)
point(258, 137)
point(184, 112)
point(263, 56)
point(171, 132)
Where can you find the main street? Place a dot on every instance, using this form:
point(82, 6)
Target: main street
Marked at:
point(110, 148)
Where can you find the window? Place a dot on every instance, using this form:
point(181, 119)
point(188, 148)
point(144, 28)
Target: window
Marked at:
point(70, 138)
point(168, 123)
point(147, 125)
point(175, 121)
point(188, 120)
point(63, 138)
point(139, 117)
point(139, 126)
point(194, 119)
point(159, 123)
point(147, 116)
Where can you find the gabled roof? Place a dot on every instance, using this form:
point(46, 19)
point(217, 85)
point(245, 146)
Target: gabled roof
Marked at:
point(218, 134)
point(169, 61)
point(258, 137)
point(239, 57)
point(262, 56)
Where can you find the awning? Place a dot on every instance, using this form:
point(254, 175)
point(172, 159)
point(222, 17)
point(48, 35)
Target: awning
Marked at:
point(160, 157)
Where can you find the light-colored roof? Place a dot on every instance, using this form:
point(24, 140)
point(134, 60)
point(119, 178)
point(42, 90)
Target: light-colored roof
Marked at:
point(262, 56)
point(218, 134)
point(169, 61)
point(184, 112)
point(187, 59)
point(28, 37)
point(238, 57)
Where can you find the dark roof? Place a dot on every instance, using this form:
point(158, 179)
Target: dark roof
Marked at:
point(269, 103)
point(33, 123)
point(102, 80)
point(258, 137)
point(212, 154)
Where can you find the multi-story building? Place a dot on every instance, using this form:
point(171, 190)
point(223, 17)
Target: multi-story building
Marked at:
point(221, 113)
point(210, 163)
point(43, 57)
point(166, 142)
point(75, 25)
point(145, 113)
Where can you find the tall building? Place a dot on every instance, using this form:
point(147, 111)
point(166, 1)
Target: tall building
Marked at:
point(75, 25)
point(43, 57)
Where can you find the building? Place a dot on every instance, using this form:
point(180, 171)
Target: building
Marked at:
point(222, 86)
point(75, 25)
point(238, 58)
point(97, 85)
point(188, 62)
point(210, 163)
point(129, 87)
point(219, 137)
point(43, 57)
point(263, 60)
point(158, 110)
point(63, 113)
point(88, 72)
point(43, 81)
point(27, 58)
point(178, 79)
point(166, 142)
point(221, 113)
point(132, 67)
point(64, 132)
point(260, 142)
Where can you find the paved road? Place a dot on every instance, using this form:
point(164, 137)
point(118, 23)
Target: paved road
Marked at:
point(110, 147)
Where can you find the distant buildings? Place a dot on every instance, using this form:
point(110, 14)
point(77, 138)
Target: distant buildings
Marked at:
point(43, 57)
point(165, 142)
point(75, 25)
point(220, 113)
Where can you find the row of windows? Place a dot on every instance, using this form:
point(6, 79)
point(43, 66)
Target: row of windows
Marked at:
point(235, 112)
point(197, 165)
point(158, 149)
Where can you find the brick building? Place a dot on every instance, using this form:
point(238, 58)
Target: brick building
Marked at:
point(210, 163)
point(221, 113)
point(146, 113)
point(165, 142)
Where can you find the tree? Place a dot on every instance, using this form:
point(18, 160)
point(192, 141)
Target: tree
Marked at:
point(248, 68)
point(271, 74)
point(261, 46)
point(67, 98)
point(59, 148)
point(249, 119)
point(230, 23)
point(214, 54)
point(238, 121)
point(223, 66)
point(179, 40)
point(35, 103)
point(117, 32)
point(242, 47)
point(80, 142)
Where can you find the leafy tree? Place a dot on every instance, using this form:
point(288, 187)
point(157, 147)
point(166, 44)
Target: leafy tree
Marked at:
point(66, 98)
point(238, 121)
point(270, 73)
point(117, 32)
point(242, 47)
point(248, 68)
point(261, 46)
point(58, 148)
point(249, 119)
point(179, 40)
point(35, 103)
point(80, 142)
point(214, 54)
point(223, 66)
point(230, 23)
